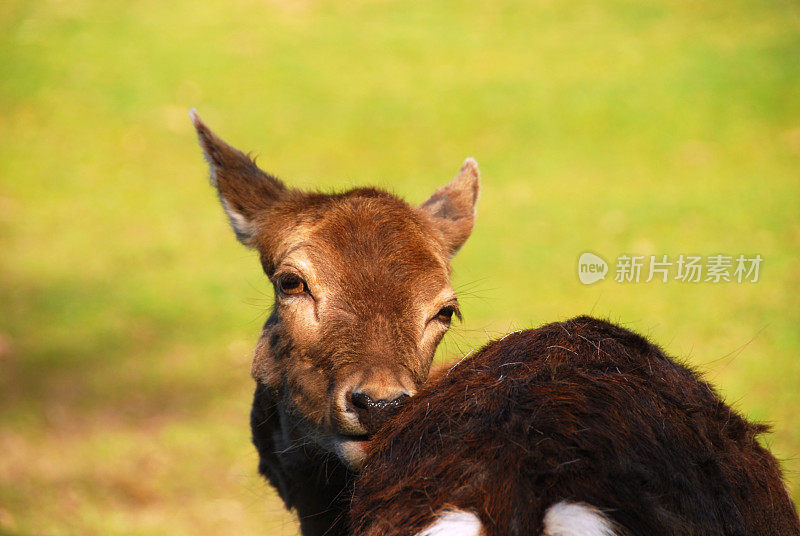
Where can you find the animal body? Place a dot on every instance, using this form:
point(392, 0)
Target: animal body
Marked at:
point(362, 299)
point(578, 428)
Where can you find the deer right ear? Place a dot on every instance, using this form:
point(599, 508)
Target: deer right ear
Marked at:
point(243, 188)
point(452, 206)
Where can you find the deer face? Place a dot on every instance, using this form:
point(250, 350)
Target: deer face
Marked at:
point(362, 293)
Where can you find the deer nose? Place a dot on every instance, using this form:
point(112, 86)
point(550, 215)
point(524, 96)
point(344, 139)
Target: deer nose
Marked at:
point(372, 413)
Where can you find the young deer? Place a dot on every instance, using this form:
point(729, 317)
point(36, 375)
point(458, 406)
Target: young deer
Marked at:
point(362, 299)
point(579, 428)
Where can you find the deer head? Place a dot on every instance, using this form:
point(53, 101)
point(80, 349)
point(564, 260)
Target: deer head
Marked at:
point(362, 292)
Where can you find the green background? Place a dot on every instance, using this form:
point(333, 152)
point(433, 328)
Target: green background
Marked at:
point(128, 311)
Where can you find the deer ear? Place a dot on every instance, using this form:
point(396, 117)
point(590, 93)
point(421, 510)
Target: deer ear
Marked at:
point(452, 206)
point(243, 188)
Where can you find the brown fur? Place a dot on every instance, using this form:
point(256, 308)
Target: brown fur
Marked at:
point(335, 360)
point(581, 411)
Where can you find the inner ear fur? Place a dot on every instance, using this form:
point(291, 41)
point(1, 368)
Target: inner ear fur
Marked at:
point(244, 189)
point(452, 207)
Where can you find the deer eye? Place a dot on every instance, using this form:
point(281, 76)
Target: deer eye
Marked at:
point(291, 285)
point(445, 314)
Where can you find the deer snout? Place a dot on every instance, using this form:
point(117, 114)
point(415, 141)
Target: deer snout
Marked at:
point(373, 412)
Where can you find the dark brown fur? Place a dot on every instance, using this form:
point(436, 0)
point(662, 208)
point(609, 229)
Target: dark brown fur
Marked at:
point(337, 357)
point(583, 411)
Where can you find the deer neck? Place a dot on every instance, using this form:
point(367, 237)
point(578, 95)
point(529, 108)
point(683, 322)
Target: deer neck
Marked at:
point(310, 480)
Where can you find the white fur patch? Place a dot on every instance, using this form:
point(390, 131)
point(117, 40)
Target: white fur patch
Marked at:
point(242, 226)
point(576, 519)
point(454, 523)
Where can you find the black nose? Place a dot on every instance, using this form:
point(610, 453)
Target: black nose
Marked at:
point(373, 413)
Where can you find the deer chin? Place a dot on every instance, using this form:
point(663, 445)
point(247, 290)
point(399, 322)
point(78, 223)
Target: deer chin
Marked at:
point(351, 449)
point(347, 444)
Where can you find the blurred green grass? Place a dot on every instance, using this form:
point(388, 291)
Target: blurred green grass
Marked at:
point(128, 311)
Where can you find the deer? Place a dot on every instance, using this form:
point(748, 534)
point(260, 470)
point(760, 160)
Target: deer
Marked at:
point(577, 428)
point(362, 299)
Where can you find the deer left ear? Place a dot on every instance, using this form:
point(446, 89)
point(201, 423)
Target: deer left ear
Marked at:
point(243, 188)
point(452, 207)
